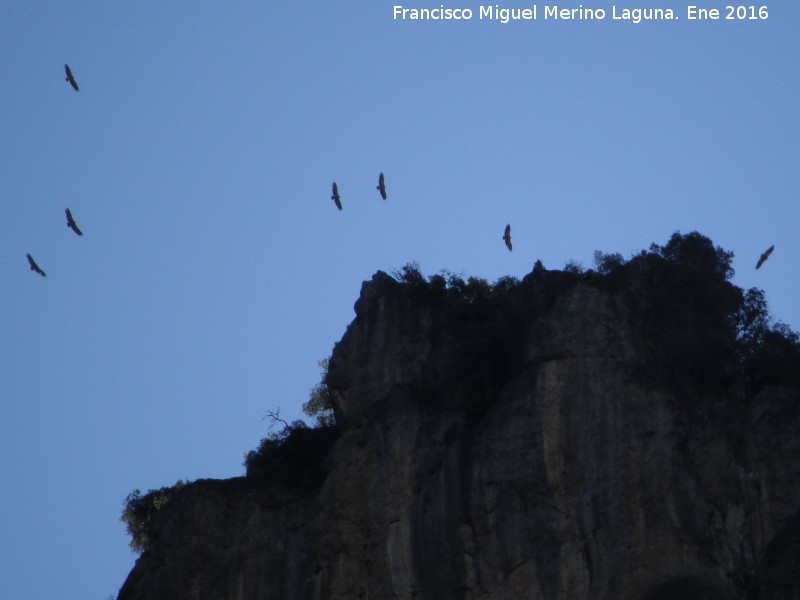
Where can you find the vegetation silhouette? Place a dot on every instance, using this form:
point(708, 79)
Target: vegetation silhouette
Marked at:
point(319, 403)
point(705, 331)
point(139, 510)
point(294, 456)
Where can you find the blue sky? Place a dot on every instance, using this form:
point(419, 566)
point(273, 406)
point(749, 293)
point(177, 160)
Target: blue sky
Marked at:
point(215, 271)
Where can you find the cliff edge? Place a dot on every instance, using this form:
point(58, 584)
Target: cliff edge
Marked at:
point(535, 443)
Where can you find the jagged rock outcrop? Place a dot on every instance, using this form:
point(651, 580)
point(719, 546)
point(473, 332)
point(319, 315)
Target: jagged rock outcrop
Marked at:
point(522, 450)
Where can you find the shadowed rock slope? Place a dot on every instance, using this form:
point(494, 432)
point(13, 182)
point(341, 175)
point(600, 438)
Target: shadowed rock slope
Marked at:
point(531, 445)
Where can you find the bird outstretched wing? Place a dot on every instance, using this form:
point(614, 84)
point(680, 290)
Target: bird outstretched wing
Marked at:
point(381, 186)
point(336, 198)
point(765, 256)
point(71, 223)
point(35, 267)
point(507, 237)
point(70, 78)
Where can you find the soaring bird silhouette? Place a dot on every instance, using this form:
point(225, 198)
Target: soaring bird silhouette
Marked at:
point(70, 78)
point(71, 223)
point(336, 197)
point(765, 256)
point(381, 186)
point(507, 237)
point(35, 267)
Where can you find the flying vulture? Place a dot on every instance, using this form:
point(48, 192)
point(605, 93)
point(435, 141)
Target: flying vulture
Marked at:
point(381, 186)
point(35, 267)
point(765, 256)
point(71, 223)
point(336, 197)
point(507, 237)
point(71, 79)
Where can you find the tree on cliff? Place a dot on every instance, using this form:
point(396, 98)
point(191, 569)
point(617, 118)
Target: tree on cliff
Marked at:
point(695, 252)
point(699, 322)
point(319, 402)
point(606, 263)
point(295, 454)
point(139, 509)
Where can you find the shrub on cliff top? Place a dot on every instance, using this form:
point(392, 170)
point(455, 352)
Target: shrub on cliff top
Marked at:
point(698, 322)
point(453, 286)
point(319, 403)
point(295, 456)
point(483, 321)
point(141, 508)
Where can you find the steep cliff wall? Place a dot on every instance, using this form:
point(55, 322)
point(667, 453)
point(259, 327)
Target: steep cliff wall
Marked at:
point(504, 451)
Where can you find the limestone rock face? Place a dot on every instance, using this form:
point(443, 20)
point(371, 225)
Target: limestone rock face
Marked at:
point(504, 454)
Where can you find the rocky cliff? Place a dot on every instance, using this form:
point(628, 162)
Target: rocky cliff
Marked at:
point(520, 447)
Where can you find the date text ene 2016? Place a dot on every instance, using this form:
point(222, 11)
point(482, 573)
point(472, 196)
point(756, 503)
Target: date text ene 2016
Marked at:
point(738, 13)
